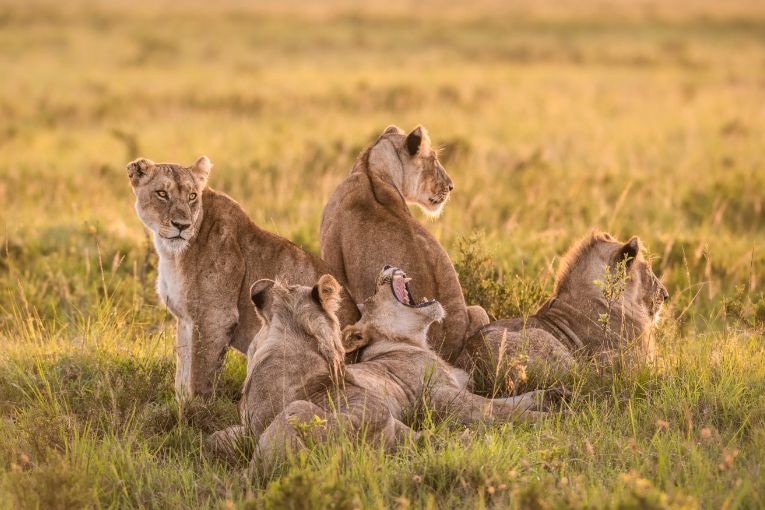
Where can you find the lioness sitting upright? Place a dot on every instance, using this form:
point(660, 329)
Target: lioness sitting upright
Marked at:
point(367, 224)
point(209, 254)
point(579, 321)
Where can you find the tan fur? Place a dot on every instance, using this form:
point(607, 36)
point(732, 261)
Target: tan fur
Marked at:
point(367, 224)
point(567, 326)
point(291, 382)
point(298, 350)
point(397, 364)
point(295, 371)
point(206, 268)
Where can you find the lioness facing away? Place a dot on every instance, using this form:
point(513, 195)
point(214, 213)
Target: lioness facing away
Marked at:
point(209, 254)
point(367, 224)
point(397, 369)
point(296, 369)
point(578, 321)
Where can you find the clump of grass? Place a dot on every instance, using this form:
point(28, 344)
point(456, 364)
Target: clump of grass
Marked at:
point(612, 284)
point(745, 310)
point(302, 486)
point(486, 284)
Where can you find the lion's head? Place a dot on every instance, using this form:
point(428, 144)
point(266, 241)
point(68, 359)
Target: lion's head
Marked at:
point(303, 311)
point(408, 162)
point(585, 267)
point(393, 312)
point(169, 199)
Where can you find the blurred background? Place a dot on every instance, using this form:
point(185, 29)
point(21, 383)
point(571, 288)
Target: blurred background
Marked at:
point(636, 117)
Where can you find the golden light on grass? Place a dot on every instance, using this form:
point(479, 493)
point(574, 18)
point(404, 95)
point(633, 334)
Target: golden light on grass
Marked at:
point(556, 117)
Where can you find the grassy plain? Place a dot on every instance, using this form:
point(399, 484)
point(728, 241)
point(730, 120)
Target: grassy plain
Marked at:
point(636, 117)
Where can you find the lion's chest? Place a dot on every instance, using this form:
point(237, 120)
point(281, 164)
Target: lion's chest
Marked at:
point(170, 287)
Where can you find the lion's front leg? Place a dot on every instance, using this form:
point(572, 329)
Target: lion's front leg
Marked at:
point(299, 423)
point(200, 351)
point(183, 350)
point(228, 443)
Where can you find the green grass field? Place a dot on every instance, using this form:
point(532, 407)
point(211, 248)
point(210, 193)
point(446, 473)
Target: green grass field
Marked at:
point(641, 117)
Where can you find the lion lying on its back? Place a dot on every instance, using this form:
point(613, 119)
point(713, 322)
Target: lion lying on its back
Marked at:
point(209, 254)
point(367, 224)
point(396, 361)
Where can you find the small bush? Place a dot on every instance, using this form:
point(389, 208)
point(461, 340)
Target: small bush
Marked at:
point(485, 284)
point(54, 484)
point(303, 488)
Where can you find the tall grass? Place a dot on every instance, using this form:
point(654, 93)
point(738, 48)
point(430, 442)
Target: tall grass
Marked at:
point(637, 117)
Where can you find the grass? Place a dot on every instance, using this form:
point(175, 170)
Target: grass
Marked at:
point(639, 118)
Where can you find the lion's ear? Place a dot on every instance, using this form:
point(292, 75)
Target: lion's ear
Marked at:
point(417, 141)
point(139, 170)
point(327, 293)
point(354, 338)
point(393, 130)
point(201, 169)
point(262, 298)
point(629, 251)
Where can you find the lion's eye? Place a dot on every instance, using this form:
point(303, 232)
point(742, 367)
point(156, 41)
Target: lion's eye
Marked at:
point(192, 196)
point(162, 193)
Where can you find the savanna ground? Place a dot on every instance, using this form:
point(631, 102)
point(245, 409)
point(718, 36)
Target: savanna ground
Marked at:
point(640, 118)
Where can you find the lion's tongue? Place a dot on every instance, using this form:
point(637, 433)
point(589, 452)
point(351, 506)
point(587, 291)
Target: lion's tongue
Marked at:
point(399, 288)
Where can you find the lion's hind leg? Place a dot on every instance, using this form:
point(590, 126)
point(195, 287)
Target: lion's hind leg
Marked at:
point(396, 434)
point(469, 409)
point(229, 443)
point(299, 424)
point(538, 400)
point(500, 360)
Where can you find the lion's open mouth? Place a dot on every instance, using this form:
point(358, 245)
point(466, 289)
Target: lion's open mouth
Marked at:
point(399, 284)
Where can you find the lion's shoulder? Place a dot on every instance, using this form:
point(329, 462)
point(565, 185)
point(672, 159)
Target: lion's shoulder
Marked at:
point(222, 207)
point(355, 191)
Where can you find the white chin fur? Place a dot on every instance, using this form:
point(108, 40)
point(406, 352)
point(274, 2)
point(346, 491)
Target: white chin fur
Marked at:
point(430, 210)
point(173, 246)
point(437, 312)
point(434, 312)
point(657, 315)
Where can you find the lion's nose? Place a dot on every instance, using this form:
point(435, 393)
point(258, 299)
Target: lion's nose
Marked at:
point(664, 293)
point(181, 225)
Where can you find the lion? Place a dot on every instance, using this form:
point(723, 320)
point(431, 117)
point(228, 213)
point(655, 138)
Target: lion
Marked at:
point(209, 253)
point(296, 367)
point(579, 321)
point(296, 372)
point(367, 224)
point(392, 337)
